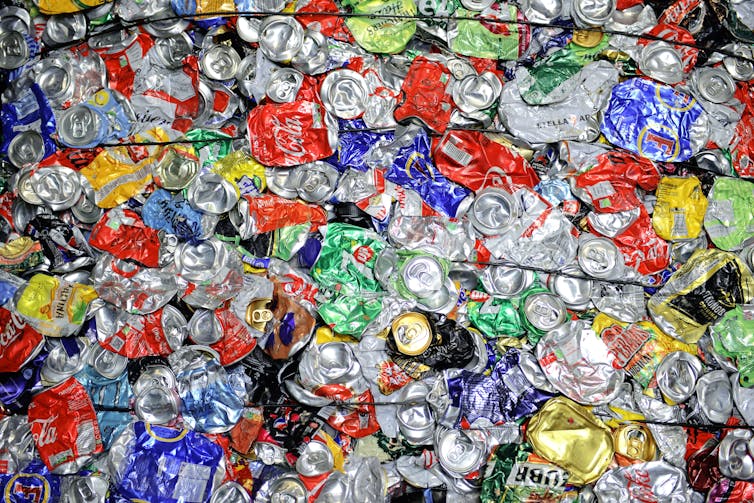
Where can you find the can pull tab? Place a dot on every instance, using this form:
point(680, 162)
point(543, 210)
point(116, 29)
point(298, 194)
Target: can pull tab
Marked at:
point(497, 178)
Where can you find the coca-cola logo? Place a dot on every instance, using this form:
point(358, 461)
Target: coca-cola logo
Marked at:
point(288, 135)
point(639, 486)
point(12, 330)
point(47, 434)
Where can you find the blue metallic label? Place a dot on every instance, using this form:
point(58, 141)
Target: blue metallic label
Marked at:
point(650, 119)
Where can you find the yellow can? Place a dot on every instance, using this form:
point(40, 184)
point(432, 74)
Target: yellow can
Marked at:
point(569, 435)
point(680, 208)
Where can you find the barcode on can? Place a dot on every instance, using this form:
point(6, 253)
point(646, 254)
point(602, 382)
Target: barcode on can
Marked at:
point(460, 156)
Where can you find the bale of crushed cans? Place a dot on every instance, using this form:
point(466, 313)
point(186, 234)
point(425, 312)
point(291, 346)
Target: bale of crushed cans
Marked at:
point(362, 251)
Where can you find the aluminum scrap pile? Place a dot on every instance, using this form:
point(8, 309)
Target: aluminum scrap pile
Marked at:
point(369, 251)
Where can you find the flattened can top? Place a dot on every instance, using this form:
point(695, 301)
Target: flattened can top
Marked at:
point(280, 38)
point(220, 62)
point(545, 311)
point(412, 333)
point(344, 93)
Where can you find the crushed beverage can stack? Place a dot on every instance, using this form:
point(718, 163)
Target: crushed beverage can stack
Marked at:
point(371, 251)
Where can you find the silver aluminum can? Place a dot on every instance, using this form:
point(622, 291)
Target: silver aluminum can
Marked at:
point(734, 455)
point(56, 78)
point(740, 66)
point(493, 211)
point(213, 194)
point(422, 275)
point(477, 5)
point(85, 489)
point(317, 181)
point(506, 281)
point(287, 488)
point(59, 365)
point(344, 93)
point(282, 182)
point(280, 38)
point(545, 311)
point(246, 75)
point(166, 27)
point(14, 51)
point(172, 50)
point(201, 261)
point(477, 92)
point(443, 300)
point(157, 404)
point(418, 471)
point(204, 328)
point(175, 170)
point(81, 125)
point(677, 375)
point(662, 62)
point(315, 459)
point(544, 11)
point(58, 187)
point(329, 363)
point(247, 28)
point(415, 419)
point(230, 492)
point(575, 292)
point(26, 149)
point(713, 391)
point(600, 258)
point(64, 28)
point(86, 210)
point(743, 398)
point(284, 85)
point(220, 62)
point(460, 452)
point(108, 364)
point(154, 375)
point(588, 13)
point(584, 373)
point(612, 224)
point(313, 56)
point(14, 18)
point(714, 84)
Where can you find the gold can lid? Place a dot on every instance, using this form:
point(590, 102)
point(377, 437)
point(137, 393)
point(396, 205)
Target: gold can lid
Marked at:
point(587, 38)
point(634, 441)
point(258, 314)
point(412, 333)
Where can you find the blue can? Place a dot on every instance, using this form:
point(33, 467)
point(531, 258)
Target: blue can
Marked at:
point(652, 120)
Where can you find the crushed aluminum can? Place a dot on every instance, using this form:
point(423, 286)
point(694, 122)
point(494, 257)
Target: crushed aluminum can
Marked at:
point(220, 62)
point(662, 62)
point(506, 281)
point(230, 492)
point(588, 13)
point(57, 187)
point(204, 328)
point(14, 51)
point(316, 181)
point(344, 93)
point(734, 455)
point(573, 289)
point(312, 58)
point(108, 364)
point(677, 375)
point(570, 436)
point(477, 92)
point(26, 149)
point(280, 38)
point(652, 481)
point(600, 258)
point(493, 211)
point(63, 361)
point(176, 168)
point(316, 459)
point(412, 333)
point(545, 311)
point(634, 441)
point(567, 362)
point(64, 29)
point(460, 452)
point(157, 405)
point(213, 194)
point(713, 391)
point(714, 84)
point(284, 85)
point(415, 419)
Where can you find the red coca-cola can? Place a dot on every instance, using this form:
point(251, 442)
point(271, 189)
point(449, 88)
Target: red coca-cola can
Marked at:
point(289, 134)
point(64, 427)
point(19, 342)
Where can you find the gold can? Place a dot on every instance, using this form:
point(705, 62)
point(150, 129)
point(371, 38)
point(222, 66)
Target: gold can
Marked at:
point(412, 333)
point(258, 313)
point(569, 435)
point(634, 441)
point(587, 38)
